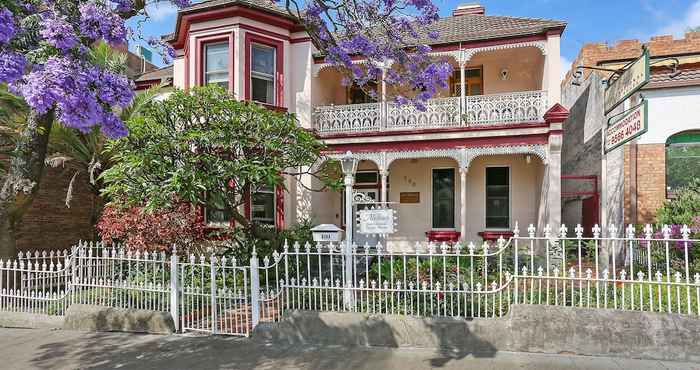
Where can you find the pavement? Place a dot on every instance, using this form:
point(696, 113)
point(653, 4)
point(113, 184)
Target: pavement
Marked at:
point(60, 349)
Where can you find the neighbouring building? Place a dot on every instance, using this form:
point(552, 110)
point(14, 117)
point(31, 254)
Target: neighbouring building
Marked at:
point(49, 223)
point(483, 156)
point(645, 172)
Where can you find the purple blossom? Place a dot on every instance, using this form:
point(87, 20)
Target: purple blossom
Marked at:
point(58, 33)
point(123, 5)
point(98, 22)
point(7, 26)
point(11, 66)
point(182, 3)
point(113, 127)
point(114, 89)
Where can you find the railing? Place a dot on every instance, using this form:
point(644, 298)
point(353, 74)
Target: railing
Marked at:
point(613, 269)
point(478, 110)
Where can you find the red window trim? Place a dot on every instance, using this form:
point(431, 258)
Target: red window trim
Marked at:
point(251, 38)
point(279, 206)
point(199, 56)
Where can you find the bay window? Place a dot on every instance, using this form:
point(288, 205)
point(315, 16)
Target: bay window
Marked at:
point(216, 64)
point(497, 197)
point(443, 198)
point(262, 73)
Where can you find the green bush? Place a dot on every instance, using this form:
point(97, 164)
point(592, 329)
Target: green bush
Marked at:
point(683, 208)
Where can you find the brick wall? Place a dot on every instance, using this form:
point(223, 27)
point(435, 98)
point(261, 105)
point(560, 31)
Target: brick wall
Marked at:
point(49, 224)
point(650, 184)
point(595, 53)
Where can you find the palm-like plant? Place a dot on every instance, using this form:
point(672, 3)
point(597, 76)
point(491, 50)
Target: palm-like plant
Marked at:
point(13, 112)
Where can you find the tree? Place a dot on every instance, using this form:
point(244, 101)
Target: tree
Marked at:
point(205, 146)
point(45, 59)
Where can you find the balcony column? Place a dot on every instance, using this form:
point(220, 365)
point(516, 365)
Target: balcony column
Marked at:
point(463, 202)
point(462, 92)
point(383, 111)
point(384, 195)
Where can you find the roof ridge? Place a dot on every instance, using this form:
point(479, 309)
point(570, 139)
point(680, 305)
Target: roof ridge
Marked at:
point(508, 17)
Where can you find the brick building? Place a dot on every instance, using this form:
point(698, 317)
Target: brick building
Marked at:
point(647, 171)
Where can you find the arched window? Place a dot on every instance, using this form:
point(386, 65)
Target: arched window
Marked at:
point(682, 160)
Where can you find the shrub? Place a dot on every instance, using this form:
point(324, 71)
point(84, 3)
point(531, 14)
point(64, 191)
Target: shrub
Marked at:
point(158, 230)
point(683, 208)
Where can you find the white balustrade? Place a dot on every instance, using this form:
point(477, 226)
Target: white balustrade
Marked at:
point(479, 110)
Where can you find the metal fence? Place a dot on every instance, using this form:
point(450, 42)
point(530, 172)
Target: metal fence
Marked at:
point(647, 270)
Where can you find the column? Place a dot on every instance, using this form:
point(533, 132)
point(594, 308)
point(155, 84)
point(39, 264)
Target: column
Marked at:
point(463, 202)
point(555, 118)
point(463, 88)
point(384, 195)
point(383, 111)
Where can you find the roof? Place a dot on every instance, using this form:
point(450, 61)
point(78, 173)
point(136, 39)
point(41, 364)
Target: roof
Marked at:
point(264, 5)
point(662, 78)
point(472, 27)
point(158, 74)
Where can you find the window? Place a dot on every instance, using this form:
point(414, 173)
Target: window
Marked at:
point(262, 74)
point(263, 206)
point(217, 213)
point(366, 178)
point(473, 82)
point(216, 64)
point(360, 95)
point(443, 198)
point(497, 197)
point(682, 160)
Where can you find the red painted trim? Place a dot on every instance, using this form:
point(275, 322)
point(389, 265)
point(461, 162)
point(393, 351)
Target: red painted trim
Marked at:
point(492, 236)
point(185, 21)
point(299, 40)
point(469, 45)
point(443, 236)
point(251, 38)
point(437, 130)
point(440, 144)
point(262, 31)
point(146, 84)
point(187, 66)
point(200, 43)
point(279, 207)
point(556, 114)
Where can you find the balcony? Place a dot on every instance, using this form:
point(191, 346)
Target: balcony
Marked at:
point(478, 111)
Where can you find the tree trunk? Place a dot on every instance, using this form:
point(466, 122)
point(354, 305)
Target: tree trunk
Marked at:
point(23, 178)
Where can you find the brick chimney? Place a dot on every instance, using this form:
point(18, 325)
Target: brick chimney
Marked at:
point(472, 8)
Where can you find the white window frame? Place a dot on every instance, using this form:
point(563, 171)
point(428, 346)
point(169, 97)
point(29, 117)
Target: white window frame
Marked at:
point(219, 225)
point(205, 72)
point(430, 197)
point(264, 76)
point(510, 197)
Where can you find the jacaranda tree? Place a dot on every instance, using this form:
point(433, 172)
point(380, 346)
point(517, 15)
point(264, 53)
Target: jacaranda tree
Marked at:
point(45, 58)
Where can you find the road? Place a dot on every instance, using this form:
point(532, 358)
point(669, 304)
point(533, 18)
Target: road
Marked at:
point(58, 349)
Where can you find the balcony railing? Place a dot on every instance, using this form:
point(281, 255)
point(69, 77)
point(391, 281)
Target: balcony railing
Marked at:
point(478, 111)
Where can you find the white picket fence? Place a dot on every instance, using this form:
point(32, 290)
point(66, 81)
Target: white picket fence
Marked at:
point(608, 269)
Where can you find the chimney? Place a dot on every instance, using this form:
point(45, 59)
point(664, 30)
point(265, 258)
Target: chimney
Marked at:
point(472, 8)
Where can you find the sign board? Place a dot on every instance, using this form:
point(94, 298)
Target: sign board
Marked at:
point(626, 127)
point(409, 197)
point(378, 221)
point(634, 77)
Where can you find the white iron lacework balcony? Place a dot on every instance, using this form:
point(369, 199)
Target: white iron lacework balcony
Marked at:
point(478, 111)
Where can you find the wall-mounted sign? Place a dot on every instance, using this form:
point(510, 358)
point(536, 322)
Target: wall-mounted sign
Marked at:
point(626, 127)
point(376, 221)
point(634, 77)
point(409, 197)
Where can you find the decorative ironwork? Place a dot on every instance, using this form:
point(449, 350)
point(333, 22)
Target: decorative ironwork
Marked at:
point(441, 112)
point(348, 118)
point(479, 110)
point(497, 109)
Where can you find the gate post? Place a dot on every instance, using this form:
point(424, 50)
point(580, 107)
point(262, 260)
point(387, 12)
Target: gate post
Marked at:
point(174, 289)
point(212, 265)
point(254, 290)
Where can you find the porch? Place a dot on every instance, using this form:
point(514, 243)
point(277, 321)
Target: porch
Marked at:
point(448, 194)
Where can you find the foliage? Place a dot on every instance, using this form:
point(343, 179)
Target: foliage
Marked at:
point(681, 209)
point(206, 142)
point(179, 224)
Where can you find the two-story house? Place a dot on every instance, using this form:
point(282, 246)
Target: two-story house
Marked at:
point(484, 154)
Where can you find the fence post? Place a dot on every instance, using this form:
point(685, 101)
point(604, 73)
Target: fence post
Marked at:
point(212, 265)
point(254, 290)
point(174, 289)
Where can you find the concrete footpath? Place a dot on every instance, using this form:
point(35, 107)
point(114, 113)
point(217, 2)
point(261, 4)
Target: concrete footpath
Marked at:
point(59, 349)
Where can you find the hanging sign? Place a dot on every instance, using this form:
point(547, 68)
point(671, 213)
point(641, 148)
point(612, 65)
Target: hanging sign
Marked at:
point(376, 221)
point(626, 127)
point(634, 77)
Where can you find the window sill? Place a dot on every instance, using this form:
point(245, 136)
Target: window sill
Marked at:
point(495, 234)
point(274, 108)
point(443, 235)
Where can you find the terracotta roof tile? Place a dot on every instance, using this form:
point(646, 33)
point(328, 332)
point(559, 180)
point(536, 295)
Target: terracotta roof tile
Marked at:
point(158, 74)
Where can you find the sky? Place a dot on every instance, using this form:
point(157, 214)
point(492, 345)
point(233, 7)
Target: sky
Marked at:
point(588, 20)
